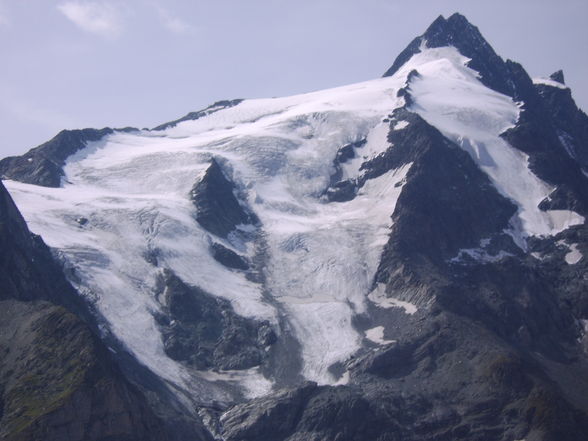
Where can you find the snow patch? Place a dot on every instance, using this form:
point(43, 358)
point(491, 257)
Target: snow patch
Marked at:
point(377, 335)
point(253, 382)
point(567, 141)
point(538, 256)
point(343, 380)
point(549, 82)
point(574, 255)
point(479, 255)
point(378, 297)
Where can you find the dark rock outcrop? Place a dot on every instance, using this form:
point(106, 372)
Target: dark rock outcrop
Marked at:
point(217, 208)
point(228, 258)
point(447, 203)
point(569, 122)
point(342, 191)
point(204, 331)
point(558, 76)
point(59, 383)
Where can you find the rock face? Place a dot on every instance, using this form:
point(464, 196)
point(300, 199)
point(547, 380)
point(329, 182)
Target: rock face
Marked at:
point(472, 326)
point(58, 382)
point(218, 210)
point(205, 332)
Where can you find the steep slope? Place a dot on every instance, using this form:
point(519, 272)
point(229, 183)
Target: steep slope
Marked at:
point(57, 380)
point(396, 259)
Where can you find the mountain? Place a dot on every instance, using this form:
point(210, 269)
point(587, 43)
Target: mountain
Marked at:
point(398, 259)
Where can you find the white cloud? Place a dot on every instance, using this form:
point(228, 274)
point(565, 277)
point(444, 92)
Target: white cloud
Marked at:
point(173, 23)
point(95, 17)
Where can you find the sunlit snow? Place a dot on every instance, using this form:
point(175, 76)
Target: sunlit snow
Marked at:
point(133, 189)
point(574, 255)
point(378, 297)
point(377, 335)
point(320, 257)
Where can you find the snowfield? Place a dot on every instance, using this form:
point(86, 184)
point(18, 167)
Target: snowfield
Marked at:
point(133, 190)
point(125, 199)
point(448, 96)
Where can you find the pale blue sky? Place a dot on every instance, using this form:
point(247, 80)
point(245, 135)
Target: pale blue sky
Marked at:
point(95, 63)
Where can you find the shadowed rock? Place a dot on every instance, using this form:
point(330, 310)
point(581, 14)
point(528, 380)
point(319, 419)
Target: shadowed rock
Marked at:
point(217, 208)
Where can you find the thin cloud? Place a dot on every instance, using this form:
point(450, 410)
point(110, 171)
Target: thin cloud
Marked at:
point(173, 23)
point(95, 17)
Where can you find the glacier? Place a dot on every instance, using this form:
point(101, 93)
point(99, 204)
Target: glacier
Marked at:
point(126, 197)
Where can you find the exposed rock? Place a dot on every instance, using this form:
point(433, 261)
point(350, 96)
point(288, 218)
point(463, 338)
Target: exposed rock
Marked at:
point(342, 191)
point(228, 257)
point(217, 208)
point(204, 331)
point(59, 383)
point(275, 416)
point(558, 76)
point(347, 152)
point(447, 203)
point(570, 123)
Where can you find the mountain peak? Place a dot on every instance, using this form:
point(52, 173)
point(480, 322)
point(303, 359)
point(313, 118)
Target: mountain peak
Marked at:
point(458, 32)
point(454, 31)
point(558, 76)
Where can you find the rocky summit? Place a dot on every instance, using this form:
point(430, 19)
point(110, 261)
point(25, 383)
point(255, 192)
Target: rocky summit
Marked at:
point(395, 260)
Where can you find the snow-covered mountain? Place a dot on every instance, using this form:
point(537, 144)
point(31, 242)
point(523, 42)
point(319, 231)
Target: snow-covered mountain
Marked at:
point(401, 258)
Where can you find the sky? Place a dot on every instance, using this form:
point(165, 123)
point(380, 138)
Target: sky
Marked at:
point(67, 64)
